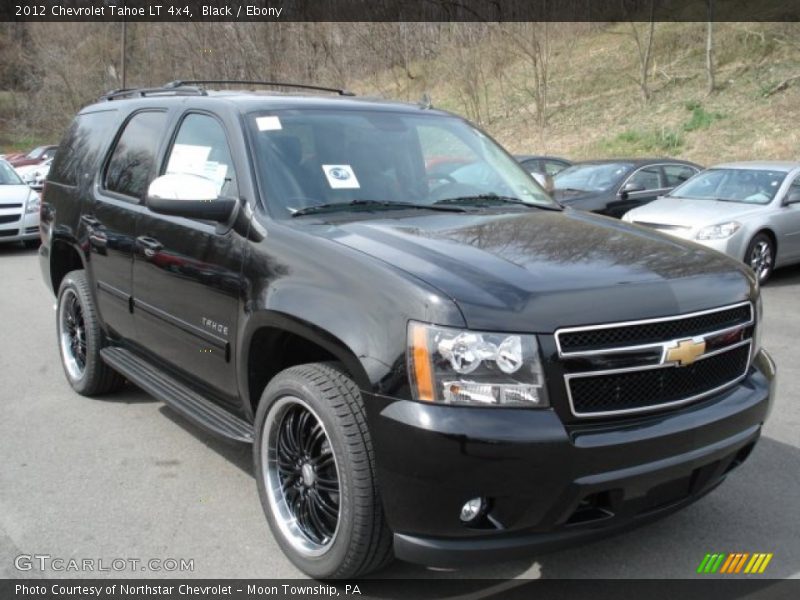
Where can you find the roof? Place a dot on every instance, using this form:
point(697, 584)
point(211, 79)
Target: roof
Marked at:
point(773, 165)
point(248, 101)
point(524, 157)
point(638, 162)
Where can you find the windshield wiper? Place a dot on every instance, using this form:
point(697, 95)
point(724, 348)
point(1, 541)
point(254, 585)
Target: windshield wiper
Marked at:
point(388, 204)
point(481, 199)
point(572, 190)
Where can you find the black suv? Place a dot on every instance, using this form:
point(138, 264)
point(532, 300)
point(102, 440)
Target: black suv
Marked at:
point(439, 364)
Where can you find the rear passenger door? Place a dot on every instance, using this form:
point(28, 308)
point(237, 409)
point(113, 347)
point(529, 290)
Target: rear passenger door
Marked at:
point(110, 221)
point(187, 273)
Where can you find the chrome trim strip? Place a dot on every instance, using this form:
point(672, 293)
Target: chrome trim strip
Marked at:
point(579, 353)
point(651, 408)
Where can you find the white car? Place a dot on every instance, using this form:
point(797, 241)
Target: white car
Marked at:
point(19, 208)
point(748, 210)
point(34, 175)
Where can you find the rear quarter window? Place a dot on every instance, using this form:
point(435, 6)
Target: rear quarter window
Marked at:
point(82, 147)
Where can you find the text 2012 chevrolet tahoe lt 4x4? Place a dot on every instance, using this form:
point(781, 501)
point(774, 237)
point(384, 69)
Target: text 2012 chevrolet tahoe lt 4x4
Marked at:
point(432, 359)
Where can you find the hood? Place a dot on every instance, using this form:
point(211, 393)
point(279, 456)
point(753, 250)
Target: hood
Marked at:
point(540, 270)
point(691, 214)
point(13, 194)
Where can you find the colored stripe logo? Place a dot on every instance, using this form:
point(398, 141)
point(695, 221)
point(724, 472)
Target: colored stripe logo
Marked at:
point(736, 562)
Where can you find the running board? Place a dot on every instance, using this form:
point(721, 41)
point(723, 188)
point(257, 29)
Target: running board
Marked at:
point(180, 397)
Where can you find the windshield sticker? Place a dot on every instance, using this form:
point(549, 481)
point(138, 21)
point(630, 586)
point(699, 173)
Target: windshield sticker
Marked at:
point(268, 123)
point(341, 177)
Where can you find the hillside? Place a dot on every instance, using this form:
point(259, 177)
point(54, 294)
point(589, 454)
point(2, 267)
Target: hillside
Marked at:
point(595, 108)
point(589, 101)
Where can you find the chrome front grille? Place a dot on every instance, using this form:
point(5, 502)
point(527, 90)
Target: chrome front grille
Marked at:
point(654, 364)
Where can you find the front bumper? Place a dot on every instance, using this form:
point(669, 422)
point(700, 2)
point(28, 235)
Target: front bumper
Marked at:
point(25, 228)
point(549, 484)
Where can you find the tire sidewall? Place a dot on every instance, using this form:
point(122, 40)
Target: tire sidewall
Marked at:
point(326, 564)
point(72, 282)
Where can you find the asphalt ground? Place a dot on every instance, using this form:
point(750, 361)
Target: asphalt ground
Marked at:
point(126, 477)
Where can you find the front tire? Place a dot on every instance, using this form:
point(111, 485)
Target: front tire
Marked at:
point(760, 256)
point(316, 473)
point(80, 339)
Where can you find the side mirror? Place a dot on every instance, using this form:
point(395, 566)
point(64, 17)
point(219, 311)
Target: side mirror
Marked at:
point(793, 197)
point(190, 196)
point(632, 187)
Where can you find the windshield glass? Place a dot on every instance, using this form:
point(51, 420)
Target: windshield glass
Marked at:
point(8, 176)
point(36, 152)
point(591, 177)
point(751, 186)
point(309, 158)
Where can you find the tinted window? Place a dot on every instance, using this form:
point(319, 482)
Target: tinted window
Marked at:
point(677, 174)
point(532, 165)
point(134, 158)
point(82, 147)
point(201, 148)
point(648, 178)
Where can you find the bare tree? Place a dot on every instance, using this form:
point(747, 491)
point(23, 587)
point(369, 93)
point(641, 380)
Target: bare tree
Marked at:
point(710, 47)
point(644, 50)
point(530, 42)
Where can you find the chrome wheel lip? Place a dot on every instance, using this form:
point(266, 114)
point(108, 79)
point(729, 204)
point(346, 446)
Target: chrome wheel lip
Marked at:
point(761, 259)
point(71, 334)
point(281, 512)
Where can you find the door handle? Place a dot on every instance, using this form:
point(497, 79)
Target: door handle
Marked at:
point(90, 221)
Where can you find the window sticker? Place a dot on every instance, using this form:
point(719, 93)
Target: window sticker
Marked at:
point(270, 123)
point(188, 158)
point(341, 177)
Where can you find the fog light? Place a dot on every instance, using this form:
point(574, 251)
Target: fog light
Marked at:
point(472, 509)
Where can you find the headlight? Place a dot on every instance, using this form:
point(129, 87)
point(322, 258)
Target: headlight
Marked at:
point(33, 204)
point(718, 232)
point(456, 366)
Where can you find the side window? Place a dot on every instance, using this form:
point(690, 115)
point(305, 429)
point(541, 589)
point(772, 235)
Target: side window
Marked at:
point(532, 165)
point(554, 167)
point(134, 158)
point(648, 178)
point(82, 146)
point(201, 148)
point(677, 174)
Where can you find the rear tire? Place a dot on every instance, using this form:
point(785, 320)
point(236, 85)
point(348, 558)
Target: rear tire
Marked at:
point(760, 256)
point(80, 339)
point(313, 456)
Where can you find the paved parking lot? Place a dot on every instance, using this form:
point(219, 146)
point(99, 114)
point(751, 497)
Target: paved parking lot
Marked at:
point(126, 477)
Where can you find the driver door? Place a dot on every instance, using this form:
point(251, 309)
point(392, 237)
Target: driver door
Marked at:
point(187, 272)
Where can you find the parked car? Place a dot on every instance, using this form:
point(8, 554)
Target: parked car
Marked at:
point(748, 210)
point(34, 157)
point(613, 187)
point(543, 168)
point(438, 369)
point(35, 175)
point(19, 208)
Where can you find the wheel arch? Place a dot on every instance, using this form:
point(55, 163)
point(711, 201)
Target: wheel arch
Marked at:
point(769, 233)
point(298, 342)
point(64, 257)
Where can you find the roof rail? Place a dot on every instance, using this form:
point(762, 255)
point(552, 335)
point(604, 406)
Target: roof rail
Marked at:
point(159, 91)
point(302, 86)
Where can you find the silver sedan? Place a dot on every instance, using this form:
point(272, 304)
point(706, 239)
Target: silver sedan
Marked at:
point(748, 210)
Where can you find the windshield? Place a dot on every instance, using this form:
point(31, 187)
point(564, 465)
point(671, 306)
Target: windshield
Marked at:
point(593, 177)
point(8, 176)
point(750, 186)
point(310, 158)
point(36, 152)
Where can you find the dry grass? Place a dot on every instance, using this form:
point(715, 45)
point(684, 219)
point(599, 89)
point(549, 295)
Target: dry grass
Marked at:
point(596, 110)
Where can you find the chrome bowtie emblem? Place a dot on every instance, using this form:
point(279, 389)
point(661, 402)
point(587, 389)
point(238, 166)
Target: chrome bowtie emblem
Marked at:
point(685, 352)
